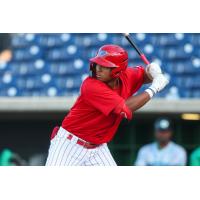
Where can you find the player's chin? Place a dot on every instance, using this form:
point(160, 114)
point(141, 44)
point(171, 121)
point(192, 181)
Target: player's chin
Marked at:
point(100, 78)
point(104, 79)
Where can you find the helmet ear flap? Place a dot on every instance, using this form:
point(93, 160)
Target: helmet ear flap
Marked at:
point(115, 73)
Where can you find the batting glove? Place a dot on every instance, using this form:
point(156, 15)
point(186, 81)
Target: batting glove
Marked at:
point(158, 84)
point(153, 70)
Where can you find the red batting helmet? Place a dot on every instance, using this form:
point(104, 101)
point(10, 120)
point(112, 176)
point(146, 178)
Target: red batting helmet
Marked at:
point(112, 56)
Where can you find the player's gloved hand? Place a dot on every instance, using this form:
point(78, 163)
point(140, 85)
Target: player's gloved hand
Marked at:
point(153, 70)
point(159, 83)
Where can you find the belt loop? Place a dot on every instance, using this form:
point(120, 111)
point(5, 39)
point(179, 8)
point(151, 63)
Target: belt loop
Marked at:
point(69, 137)
point(74, 138)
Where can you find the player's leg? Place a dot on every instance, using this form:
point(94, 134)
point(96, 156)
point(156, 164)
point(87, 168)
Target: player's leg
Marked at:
point(65, 152)
point(58, 145)
point(75, 155)
point(99, 156)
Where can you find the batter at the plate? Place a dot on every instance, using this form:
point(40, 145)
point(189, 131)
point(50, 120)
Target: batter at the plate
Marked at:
point(106, 97)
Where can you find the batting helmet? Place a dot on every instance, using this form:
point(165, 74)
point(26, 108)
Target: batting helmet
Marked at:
point(111, 56)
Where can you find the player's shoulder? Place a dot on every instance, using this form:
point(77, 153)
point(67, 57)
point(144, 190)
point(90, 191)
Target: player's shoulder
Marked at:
point(91, 82)
point(147, 147)
point(196, 152)
point(134, 70)
point(91, 85)
point(89, 79)
point(177, 147)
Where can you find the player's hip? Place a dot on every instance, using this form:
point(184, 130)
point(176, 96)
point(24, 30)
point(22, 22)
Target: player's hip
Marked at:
point(60, 132)
point(65, 151)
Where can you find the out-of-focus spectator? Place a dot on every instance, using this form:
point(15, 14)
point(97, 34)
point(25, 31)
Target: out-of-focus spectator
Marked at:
point(195, 157)
point(5, 47)
point(162, 152)
point(9, 158)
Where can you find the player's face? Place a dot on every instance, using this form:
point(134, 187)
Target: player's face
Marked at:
point(103, 73)
point(163, 136)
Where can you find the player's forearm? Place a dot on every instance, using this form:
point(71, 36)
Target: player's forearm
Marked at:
point(147, 79)
point(136, 102)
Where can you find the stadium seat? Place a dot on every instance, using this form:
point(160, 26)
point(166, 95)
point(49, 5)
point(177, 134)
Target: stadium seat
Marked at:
point(23, 40)
point(76, 66)
point(72, 82)
point(26, 54)
point(54, 40)
point(91, 40)
point(63, 53)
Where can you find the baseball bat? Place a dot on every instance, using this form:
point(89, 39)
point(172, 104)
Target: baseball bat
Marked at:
point(140, 53)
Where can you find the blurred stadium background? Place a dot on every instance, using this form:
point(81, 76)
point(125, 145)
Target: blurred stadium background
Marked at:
point(40, 76)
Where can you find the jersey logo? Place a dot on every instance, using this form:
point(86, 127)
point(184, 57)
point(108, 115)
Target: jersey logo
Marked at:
point(102, 53)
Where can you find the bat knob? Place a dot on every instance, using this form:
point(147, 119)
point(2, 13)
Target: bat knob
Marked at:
point(126, 34)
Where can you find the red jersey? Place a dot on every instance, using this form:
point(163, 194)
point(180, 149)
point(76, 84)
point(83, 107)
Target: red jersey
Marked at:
point(91, 118)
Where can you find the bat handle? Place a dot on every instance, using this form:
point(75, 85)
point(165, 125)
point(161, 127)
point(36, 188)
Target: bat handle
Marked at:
point(143, 57)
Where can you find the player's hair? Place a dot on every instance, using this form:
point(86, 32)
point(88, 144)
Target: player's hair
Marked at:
point(93, 69)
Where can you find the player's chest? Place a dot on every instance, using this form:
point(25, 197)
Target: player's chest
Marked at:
point(123, 90)
point(160, 158)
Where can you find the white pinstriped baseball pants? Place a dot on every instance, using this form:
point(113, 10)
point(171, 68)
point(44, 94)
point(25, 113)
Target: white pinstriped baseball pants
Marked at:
point(65, 152)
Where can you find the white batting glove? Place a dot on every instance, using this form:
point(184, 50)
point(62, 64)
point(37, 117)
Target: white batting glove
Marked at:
point(158, 84)
point(153, 70)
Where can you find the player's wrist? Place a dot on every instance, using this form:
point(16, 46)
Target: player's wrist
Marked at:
point(151, 91)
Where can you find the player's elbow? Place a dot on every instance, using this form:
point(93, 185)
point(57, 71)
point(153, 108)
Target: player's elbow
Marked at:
point(123, 110)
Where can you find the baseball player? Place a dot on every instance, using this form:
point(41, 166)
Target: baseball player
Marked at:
point(163, 152)
point(106, 97)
